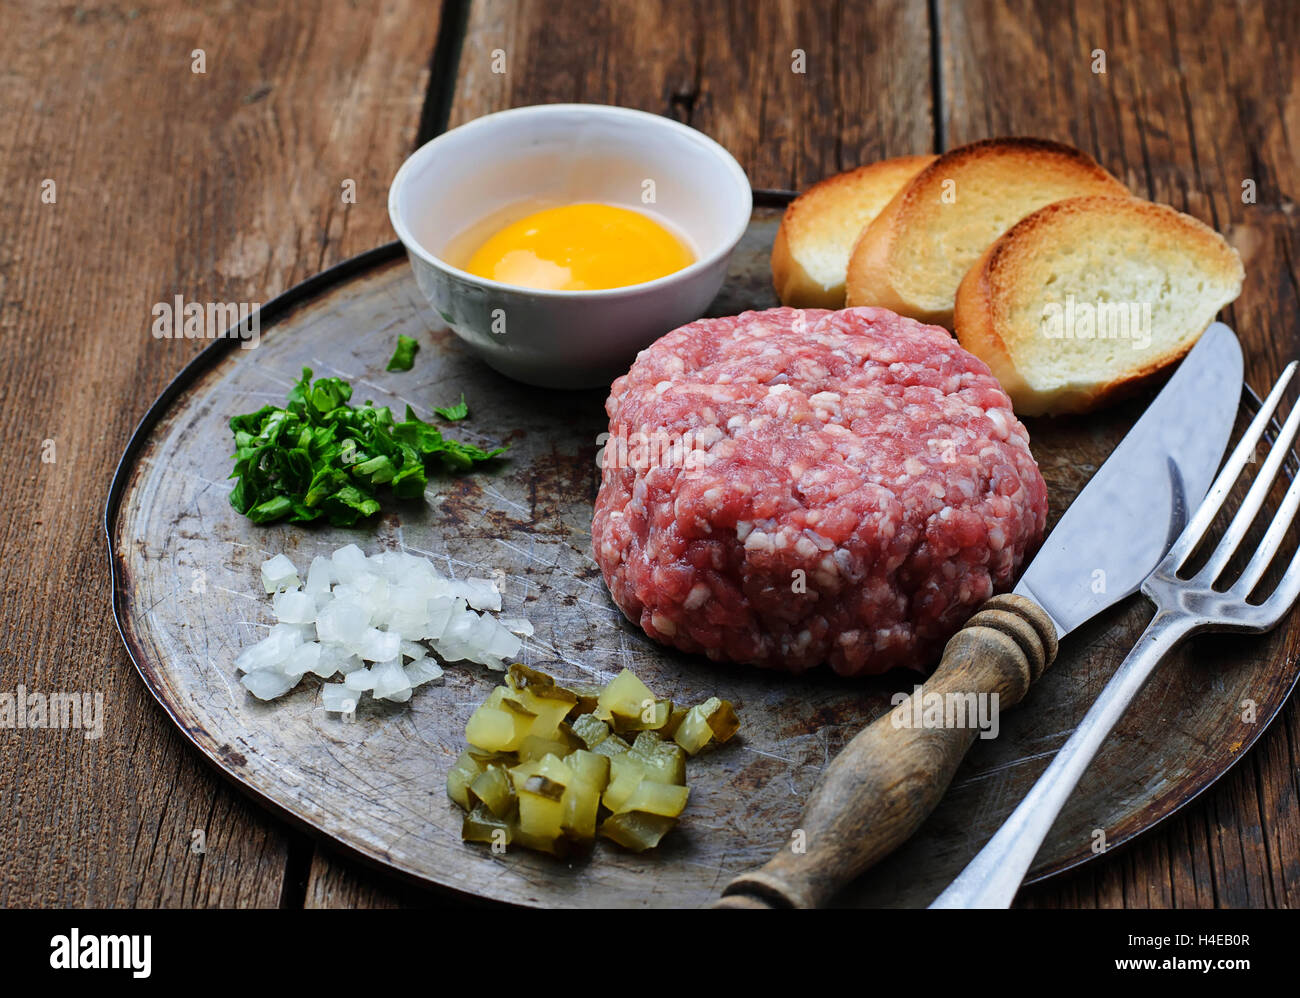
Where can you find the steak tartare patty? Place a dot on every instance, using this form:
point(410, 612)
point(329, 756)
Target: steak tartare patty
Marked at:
point(791, 487)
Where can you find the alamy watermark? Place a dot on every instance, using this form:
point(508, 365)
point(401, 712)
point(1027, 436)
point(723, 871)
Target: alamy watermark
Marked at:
point(655, 449)
point(181, 320)
point(90, 951)
point(60, 711)
point(1102, 320)
point(921, 709)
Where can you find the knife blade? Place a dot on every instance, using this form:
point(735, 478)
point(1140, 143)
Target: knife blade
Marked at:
point(887, 780)
point(1133, 508)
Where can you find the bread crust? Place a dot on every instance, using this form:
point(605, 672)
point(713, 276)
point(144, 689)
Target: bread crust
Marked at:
point(981, 322)
point(875, 277)
point(803, 222)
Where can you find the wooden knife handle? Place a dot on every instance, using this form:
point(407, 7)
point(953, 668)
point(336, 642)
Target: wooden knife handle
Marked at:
point(888, 779)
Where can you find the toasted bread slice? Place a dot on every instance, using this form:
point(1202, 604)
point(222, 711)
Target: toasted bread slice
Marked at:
point(915, 252)
point(1086, 298)
point(811, 253)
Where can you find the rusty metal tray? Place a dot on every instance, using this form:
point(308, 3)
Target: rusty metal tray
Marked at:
point(185, 571)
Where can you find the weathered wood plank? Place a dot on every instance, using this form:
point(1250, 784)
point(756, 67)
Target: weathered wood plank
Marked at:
point(1196, 100)
point(860, 90)
point(220, 186)
point(337, 881)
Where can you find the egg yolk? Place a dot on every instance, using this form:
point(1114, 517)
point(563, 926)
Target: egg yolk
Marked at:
point(580, 247)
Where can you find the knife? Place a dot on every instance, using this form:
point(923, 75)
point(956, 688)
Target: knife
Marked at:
point(887, 780)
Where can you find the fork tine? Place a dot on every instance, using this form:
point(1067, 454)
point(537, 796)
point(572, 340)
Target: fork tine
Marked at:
point(1209, 508)
point(1271, 541)
point(1254, 501)
point(1284, 596)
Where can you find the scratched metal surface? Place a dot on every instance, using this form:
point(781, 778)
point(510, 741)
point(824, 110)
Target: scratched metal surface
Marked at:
point(187, 597)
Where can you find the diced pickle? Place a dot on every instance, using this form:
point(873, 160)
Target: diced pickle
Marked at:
point(582, 795)
point(624, 777)
point(533, 748)
point(627, 764)
point(724, 721)
point(661, 760)
point(481, 825)
point(625, 697)
point(581, 805)
point(694, 731)
point(464, 772)
point(588, 697)
point(536, 746)
point(556, 845)
point(589, 767)
point(674, 721)
point(540, 786)
point(540, 694)
point(501, 725)
point(565, 733)
point(543, 786)
point(611, 746)
point(555, 768)
point(495, 790)
point(590, 729)
point(549, 713)
point(713, 720)
point(520, 677)
point(654, 715)
point(540, 817)
point(486, 758)
point(636, 831)
point(650, 797)
point(544, 759)
point(492, 727)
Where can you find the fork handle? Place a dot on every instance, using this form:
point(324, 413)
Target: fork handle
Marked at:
point(992, 878)
point(888, 779)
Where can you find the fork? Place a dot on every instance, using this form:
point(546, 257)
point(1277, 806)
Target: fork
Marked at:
point(1184, 606)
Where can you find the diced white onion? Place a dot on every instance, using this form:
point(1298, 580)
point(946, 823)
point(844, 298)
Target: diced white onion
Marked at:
point(362, 679)
point(320, 576)
point(302, 659)
point(278, 573)
point(362, 617)
point(267, 684)
point(421, 671)
point(338, 698)
point(293, 606)
point(482, 594)
point(390, 678)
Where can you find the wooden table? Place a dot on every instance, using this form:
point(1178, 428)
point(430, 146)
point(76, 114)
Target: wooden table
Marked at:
point(226, 185)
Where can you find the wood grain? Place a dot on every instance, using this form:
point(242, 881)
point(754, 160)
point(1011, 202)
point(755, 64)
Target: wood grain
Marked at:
point(222, 186)
point(728, 69)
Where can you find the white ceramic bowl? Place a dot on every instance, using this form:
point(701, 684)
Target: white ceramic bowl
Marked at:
point(568, 153)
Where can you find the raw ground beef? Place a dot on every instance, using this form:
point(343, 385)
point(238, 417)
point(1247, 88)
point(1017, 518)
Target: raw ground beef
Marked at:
point(863, 451)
